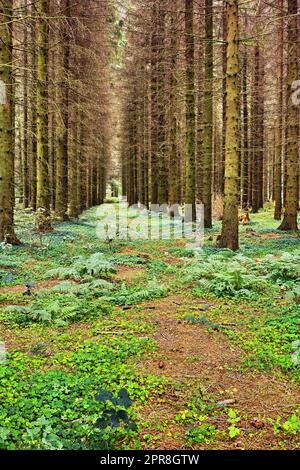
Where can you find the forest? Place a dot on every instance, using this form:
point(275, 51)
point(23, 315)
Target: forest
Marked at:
point(149, 210)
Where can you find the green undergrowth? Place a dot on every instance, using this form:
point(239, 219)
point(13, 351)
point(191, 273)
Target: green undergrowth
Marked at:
point(72, 387)
point(70, 379)
point(271, 340)
point(50, 403)
point(228, 274)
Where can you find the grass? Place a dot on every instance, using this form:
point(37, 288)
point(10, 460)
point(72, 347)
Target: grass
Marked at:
point(82, 330)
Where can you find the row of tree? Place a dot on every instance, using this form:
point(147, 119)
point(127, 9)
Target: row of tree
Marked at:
point(208, 108)
point(54, 108)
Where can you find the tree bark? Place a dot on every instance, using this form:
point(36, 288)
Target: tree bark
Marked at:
point(291, 200)
point(7, 194)
point(230, 230)
point(43, 220)
point(208, 115)
point(190, 192)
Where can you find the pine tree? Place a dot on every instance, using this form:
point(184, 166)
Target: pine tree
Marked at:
point(230, 230)
point(278, 135)
point(61, 199)
point(6, 126)
point(208, 115)
point(190, 194)
point(292, 162)
point(43, 221)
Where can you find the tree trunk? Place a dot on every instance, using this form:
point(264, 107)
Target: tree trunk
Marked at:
point(278, 130)
point(224, 55)
point(258, 131)
point(208, 115)
point(230, 231)
point(190, 191)
point(43, 220)
point(291, 201)
point(174, 163)
point(26, 120)
point(32, 117)
point(61, 199)
point(245, 166)
point(200, 92)
point(154, 107)
point(162, 190)
point(73, 166)
point(6, 126)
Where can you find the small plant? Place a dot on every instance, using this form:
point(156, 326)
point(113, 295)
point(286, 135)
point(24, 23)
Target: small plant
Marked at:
point(42, 436)
point(116, 414)
point(290, 427)
point(4, 434)
point(6, 278)
point(203, 434)
point(233, 419)
point(203, 321)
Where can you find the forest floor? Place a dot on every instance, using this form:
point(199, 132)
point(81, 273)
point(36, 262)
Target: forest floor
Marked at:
point(149, 344)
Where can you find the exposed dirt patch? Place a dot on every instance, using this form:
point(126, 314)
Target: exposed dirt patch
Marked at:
point(189, 353)
point(26, 339)
point(266, 236)
point(269, 235)
point(21, 288)
point(128, 250)
point(128, 274)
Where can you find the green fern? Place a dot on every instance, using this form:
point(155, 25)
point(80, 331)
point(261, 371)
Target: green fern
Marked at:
point(85, 268)
point(57, 310)
point(132, 296)
point(97, 286)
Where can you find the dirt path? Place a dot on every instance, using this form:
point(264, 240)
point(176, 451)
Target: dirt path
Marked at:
point(192, 354)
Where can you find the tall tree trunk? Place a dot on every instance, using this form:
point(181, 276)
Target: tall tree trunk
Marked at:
point(162, 190)
point(154, 107)
point(73, 166)
point(174, 163)
point(32, 116)
point(230, 230)
point(61, 199)
point(224, 56)
point(6, 126)
point(43, 220)
point(258, 131)
point(278, 130)
point(245, 166)
point(291, 200)
point(199, 130)
point(26, 120)
point(190, 191)
point(208, 115)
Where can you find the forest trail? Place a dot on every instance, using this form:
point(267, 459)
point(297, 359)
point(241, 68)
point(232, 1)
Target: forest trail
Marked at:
point(192, 354)
point(205, 367)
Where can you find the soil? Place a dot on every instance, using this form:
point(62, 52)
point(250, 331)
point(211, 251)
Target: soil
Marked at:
point(191, 354)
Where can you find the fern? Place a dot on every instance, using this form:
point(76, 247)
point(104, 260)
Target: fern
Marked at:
point(97, 286)
point(82, 268)
point(127, 260)
point(26, 315)
point(64, 273)
point(59, 310)
point(224, 274)
point(279, 270)
point(132, 296)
